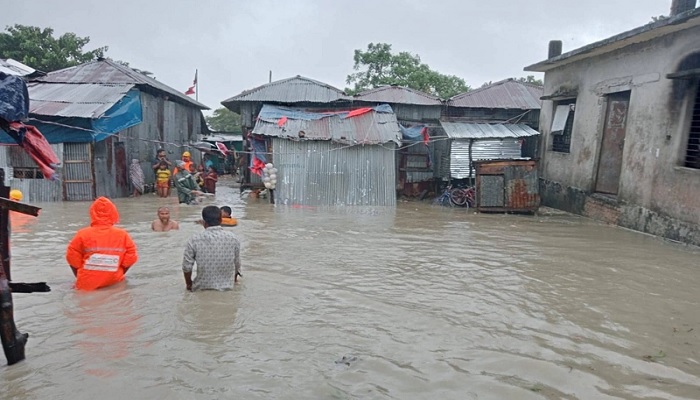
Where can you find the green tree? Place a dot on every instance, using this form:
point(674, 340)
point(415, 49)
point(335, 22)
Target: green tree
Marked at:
point(531, 79)
point(378, 66)
point(224, 120)
point(39, 49)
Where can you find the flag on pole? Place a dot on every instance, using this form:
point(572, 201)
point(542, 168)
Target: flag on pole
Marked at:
point(194, 85)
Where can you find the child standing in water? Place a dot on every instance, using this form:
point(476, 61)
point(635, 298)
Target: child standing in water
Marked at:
point(163, 179)
point(210, 180)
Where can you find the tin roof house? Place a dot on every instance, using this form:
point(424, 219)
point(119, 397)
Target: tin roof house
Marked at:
point(98, 116)
point(330, 158)
point(297, 91)
point(621, 127)
point(418, 114)
point(498, 121)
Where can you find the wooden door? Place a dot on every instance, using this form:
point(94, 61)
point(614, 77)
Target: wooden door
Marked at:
point(610, 161)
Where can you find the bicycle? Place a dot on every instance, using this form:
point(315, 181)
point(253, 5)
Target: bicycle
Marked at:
point(445, 199)
point(463, 197)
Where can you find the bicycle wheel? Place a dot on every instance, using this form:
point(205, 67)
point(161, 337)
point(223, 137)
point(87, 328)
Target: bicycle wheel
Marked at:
point(458, 196)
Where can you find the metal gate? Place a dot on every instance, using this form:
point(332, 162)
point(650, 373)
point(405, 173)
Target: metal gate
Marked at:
point(79, 177)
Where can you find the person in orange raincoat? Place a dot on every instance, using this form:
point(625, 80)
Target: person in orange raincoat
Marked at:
point(101, 254)
point(187, 160)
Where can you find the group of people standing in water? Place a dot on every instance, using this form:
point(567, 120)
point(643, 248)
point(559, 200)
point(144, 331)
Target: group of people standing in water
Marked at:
point(188, 179)
point(101, 254)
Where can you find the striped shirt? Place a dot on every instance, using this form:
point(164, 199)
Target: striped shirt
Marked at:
point(216, 251)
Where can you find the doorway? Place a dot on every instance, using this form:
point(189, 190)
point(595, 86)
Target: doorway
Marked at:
point(610, 161)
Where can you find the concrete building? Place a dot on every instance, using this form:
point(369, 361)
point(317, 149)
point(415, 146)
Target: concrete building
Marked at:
point(620, 126)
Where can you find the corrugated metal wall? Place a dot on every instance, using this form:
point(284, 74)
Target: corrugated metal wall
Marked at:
point(416, 157)
point(166, 124)
point(324, 173)
point(78, 175)
point(481, 150)
point(416, 113)
point(34, 190)
point(531, 118)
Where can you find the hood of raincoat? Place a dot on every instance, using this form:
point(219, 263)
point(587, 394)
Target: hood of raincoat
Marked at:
point(103, 212)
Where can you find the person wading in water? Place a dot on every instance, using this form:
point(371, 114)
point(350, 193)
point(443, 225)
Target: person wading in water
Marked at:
point(164, 223)
point(101, 254)
point(185, 184)
point(217, 253)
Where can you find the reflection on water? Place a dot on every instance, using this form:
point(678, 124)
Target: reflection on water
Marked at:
point(426, 302)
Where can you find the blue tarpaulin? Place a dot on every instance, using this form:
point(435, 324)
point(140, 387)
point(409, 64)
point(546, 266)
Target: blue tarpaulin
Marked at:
point(412, 133)
point(14, 99)
point(124, 114)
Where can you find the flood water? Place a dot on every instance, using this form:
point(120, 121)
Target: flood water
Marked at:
point(416, 302)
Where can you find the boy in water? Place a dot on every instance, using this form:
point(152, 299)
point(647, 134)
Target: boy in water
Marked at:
point(226, 219)
point(163, 180)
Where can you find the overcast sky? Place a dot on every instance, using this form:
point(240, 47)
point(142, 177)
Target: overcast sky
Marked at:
point(234, 44)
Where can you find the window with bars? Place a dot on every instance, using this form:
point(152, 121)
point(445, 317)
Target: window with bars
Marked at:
point(563, 125)
point(27, 173)
point(692, 152)
point(23, 167)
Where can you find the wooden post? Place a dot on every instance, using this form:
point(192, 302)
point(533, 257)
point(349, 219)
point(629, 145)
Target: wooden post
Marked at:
point(13, 341)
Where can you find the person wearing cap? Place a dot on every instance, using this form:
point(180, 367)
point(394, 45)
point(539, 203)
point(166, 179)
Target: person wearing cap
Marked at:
point(101, 254)
point(18, 221)
point(186, 158)
point(16, 195)
point(187, 188)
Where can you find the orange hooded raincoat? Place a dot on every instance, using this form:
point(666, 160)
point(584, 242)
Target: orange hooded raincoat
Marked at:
point(101, 253)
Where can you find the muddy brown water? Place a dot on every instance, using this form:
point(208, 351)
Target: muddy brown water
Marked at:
point(416, 302)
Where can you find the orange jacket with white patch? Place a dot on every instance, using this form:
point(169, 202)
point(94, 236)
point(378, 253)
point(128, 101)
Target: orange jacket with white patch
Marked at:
point(101, 253)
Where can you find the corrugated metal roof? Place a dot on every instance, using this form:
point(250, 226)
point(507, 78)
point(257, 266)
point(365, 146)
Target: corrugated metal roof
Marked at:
point(292, 90)
point(398, 95)
point(109, 72)
point(14, 67)
point(369, 128)
point(74, 100)
point(509, 94)
point(470, 130)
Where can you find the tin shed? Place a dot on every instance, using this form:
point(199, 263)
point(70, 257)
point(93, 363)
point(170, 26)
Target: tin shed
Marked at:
point(507, 185)
point(330, 158)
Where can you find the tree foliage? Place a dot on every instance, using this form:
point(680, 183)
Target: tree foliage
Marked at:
point(39, 49)
point(529, 79)
point(224, 120)
point(378, 66)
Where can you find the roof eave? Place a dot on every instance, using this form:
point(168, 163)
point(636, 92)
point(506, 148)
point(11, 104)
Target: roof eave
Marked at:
point(638, 35)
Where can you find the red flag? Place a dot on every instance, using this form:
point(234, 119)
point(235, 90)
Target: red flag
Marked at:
point(194, 84)
point(282, 121)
